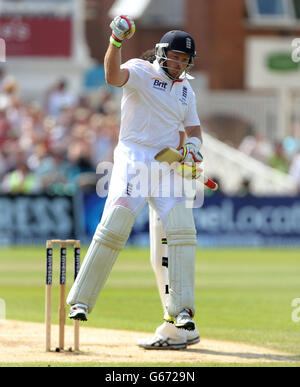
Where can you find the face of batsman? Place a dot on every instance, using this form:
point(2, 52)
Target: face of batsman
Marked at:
point(176, 63)
point(175, 53)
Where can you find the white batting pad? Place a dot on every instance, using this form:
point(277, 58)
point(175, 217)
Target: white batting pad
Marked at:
point(182, 241)
point(109, 239)
point(157, 252)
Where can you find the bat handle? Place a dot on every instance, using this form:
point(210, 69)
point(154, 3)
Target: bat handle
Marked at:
point(210, 183)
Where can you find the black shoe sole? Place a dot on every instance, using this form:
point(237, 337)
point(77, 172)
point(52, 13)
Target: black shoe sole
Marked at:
point(189, 326)
point(79, 317)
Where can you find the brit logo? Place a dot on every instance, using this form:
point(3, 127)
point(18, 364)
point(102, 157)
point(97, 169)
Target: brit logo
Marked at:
point(159, 84)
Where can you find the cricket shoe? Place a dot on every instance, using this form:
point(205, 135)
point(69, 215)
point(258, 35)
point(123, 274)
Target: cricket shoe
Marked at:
point(161, 342)
point(167, 336)
point(183, 320)
point(192, 337)
point(169, 329)
point(78, 312)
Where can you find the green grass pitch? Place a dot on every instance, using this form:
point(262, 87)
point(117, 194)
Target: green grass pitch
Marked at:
point(241, 295)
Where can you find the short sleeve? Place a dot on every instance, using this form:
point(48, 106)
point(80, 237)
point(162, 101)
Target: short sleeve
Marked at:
point(137, 70)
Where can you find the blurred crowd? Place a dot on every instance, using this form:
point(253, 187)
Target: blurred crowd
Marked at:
point(53, 147)
point(278, 155)
point(283, 155)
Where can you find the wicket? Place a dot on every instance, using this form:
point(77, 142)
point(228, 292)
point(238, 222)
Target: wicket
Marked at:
point(62, 297)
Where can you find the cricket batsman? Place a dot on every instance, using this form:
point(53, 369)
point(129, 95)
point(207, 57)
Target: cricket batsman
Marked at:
point(157, 101)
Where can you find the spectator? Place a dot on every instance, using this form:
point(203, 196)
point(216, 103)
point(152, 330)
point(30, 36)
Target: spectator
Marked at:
point(106, 135)
point(55, 174)
point(21, 180)
point(258, 147)
point(9, 92)
point(5, 127)
point(106, 104)
point(279, 160)
point(59, 98)
point(2, 76)
point(294, 170)
point(3, 165)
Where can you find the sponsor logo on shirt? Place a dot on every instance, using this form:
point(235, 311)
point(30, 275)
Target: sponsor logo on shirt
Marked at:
point(159, 84)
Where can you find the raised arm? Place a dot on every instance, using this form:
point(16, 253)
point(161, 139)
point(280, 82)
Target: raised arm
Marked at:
point(122, 27)
point(114, 75)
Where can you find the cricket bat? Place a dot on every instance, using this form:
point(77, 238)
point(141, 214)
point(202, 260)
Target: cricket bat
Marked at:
point(171, 155)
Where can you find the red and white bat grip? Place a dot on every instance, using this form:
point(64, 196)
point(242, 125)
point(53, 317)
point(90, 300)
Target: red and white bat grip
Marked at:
point(210, 183)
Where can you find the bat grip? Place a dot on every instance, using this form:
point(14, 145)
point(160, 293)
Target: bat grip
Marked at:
point(210, 184)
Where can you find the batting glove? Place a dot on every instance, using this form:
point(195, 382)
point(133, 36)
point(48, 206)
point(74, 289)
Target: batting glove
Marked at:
point(190, 151)
point(122, 27)
point(191, 159)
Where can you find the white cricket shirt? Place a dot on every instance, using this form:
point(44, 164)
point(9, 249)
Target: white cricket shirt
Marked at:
point(153, 107)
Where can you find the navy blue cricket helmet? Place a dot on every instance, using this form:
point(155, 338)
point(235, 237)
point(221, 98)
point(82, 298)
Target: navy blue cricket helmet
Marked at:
point(178, 41)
